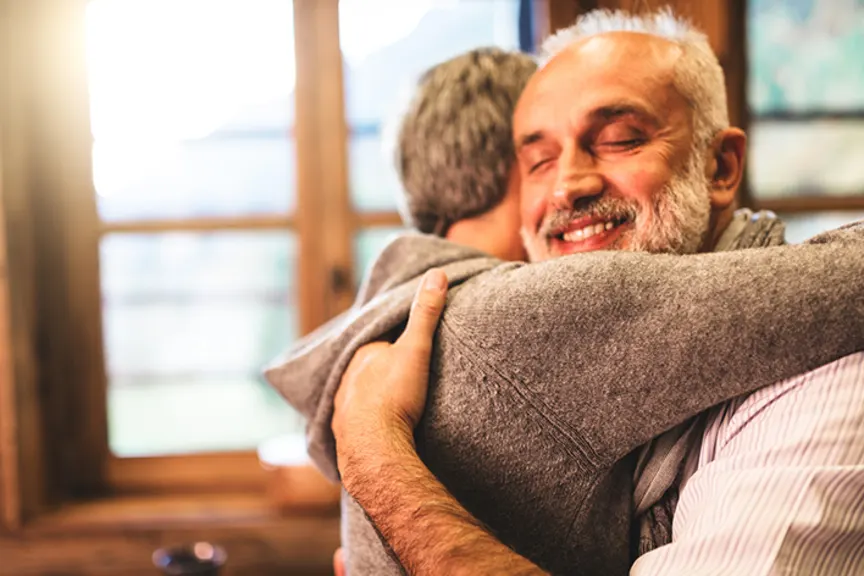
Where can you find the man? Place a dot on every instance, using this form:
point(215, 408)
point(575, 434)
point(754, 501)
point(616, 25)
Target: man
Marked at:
point(623, 143)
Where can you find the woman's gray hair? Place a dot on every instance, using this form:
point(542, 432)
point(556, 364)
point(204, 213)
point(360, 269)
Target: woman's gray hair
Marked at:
point(455, 143)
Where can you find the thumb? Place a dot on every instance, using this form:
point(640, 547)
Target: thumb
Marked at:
point(338, 563)
point(426, 310)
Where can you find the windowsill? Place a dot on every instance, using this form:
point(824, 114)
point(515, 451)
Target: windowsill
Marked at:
point(171, 512)
point(118, 536)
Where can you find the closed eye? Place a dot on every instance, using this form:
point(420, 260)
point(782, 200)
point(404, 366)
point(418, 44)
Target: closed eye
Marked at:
point(620, 145)
point(538, 165)
point(632, 143)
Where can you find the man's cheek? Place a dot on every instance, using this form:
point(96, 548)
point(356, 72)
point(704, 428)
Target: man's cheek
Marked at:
point(533, 206)
point(639, 181)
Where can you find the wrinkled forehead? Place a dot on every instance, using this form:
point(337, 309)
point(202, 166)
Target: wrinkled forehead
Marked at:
point(599, 71)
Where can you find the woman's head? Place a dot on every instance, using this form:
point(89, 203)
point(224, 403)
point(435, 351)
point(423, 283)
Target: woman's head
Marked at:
point(455, 154)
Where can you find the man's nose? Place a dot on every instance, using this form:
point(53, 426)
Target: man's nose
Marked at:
point(577, 178)
point(567, 192)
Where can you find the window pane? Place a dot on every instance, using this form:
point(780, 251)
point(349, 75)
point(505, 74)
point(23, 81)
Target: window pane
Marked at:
point(805, 58)
point(368, 245)
point(384, 56)
point(805, 55)
point(807, 158)
point(374, 183)
point(190, 319)
point(216, 176)
point(800, 227)
point(191, 124)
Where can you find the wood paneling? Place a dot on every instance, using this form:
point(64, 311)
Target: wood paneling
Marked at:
point(562, 13)
point(24, 464)
point(10, 513)
point(71, 360)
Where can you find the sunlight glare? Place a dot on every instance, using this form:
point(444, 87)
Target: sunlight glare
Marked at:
point(366, 26)
point(164, 71)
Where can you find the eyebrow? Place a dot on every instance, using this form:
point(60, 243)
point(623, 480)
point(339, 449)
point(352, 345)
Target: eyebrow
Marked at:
point(615, 111)
point(529, 139)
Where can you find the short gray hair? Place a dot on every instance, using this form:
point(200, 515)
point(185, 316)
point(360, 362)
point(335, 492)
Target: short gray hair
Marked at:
point(455, 143)
point(698, 75)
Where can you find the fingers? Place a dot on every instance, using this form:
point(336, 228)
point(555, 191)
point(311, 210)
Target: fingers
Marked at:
point(338, 563)
point(426, 310)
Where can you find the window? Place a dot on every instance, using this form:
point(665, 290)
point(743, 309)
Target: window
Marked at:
point(194, 172)
point(187, 128)
point(806, 95)
point(235, 192)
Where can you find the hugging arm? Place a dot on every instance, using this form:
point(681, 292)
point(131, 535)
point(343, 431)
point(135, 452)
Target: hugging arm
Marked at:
point(620, 347)
point(379, 403)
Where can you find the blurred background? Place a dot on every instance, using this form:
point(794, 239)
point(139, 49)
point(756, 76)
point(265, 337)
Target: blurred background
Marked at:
point(190, 185)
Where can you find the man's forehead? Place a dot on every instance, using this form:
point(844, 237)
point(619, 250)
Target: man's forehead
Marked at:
point(602, 70)
point(637, 48)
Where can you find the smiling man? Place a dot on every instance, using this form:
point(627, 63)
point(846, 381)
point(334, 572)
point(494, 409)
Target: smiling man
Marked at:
point(624, 143)
point(546, 378)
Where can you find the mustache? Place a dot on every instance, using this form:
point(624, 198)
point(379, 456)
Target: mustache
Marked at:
point(594, 207)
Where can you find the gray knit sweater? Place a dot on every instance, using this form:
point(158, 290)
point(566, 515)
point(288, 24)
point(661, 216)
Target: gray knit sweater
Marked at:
point(545, 377)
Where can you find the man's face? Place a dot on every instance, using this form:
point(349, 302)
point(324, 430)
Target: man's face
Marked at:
point(605, 151)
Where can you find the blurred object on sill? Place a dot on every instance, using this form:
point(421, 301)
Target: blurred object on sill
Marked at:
point(199, 559)
point(294, 484)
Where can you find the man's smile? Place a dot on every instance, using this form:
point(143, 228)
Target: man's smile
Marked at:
point(588, 234)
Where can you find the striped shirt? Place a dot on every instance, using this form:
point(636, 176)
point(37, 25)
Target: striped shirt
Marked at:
point(777, 486)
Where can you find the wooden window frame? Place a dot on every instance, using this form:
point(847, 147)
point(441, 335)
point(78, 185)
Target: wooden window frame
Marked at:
point(321, 161)
point(325, 262)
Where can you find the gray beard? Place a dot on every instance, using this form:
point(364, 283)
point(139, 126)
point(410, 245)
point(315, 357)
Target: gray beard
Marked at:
point(681, 214)
point(676, 223)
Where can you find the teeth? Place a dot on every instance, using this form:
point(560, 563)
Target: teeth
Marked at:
point(588, 231)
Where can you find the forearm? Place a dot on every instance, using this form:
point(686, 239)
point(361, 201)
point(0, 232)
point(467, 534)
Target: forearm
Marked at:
point(428, 530)
point(651, 340)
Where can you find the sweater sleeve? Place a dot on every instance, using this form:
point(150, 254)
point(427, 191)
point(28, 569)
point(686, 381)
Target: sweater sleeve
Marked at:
point(616, 348)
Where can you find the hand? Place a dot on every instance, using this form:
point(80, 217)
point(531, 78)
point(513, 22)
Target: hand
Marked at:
point(338, 563)
point(383, 392)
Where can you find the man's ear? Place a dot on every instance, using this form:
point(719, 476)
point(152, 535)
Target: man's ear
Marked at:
point(725, 167)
